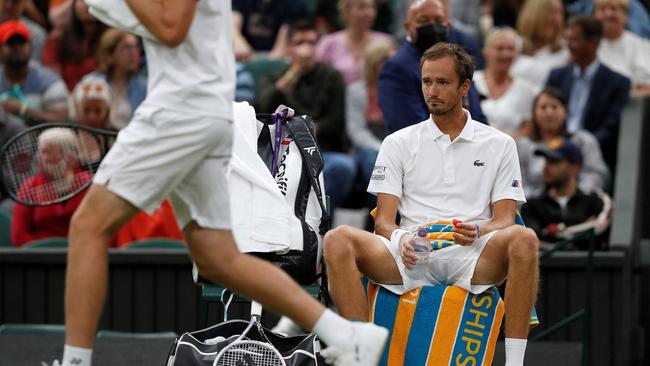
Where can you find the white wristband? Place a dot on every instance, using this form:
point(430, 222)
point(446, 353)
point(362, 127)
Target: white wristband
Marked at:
point(397, 234)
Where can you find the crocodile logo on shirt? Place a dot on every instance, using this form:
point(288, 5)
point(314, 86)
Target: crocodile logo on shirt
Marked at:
point(479, 163)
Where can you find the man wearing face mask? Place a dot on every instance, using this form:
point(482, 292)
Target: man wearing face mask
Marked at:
point(399, 93)
point(27, 89)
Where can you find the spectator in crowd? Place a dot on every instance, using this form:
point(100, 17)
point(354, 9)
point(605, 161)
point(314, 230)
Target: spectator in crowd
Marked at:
point(90, 104)
point(564, 209)
point(118, 55)
point(328, 17)
point(14, 10)
point(316, 89)
point(548, 127)
point(261, 25)
point(595, 94)
point(399, 88)
point(27, 89)
point(344, 49)
point(71, 51)
point(58, 145)
point(540, 23)
point(55, 146)
point(621, 50)
point(364, 120)
point(638, 18)
point(506, 100)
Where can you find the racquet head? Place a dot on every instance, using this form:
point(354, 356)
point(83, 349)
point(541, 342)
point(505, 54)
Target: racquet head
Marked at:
point(51, 163)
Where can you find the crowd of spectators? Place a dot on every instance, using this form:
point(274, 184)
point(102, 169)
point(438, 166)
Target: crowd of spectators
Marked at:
point(549, 71)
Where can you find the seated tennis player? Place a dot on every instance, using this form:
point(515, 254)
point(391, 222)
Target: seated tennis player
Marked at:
point(178, 145)
point(444, 168)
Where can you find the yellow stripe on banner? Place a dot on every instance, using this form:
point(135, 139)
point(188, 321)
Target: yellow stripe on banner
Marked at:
point(441, 236)
point(403, 320)
point(373, 290)
point(442, 343)
point(494, 333)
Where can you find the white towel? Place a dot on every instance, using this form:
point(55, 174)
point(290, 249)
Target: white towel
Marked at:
point(117, 14)
point(261, 218)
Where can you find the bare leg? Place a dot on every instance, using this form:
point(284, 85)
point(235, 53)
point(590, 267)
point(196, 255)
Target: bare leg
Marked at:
point(513, 252)
point(99, 216)
point(218, 259)
point(347, 252)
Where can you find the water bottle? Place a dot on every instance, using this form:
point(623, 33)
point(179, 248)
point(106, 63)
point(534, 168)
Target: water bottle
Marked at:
point(422, 247)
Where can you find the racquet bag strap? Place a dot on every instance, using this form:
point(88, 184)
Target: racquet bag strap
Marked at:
point(301, 128)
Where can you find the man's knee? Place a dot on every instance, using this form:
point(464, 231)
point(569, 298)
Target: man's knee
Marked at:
point(524, 245)
point(337, 243)
point(83, 223)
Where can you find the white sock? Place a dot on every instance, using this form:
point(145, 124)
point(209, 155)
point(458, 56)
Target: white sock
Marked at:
point(76, 356)
point(287, 327)
point(332, 328)
point(515, 350)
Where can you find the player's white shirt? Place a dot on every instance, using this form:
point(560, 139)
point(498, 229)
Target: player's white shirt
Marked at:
point(198, 76)
point(436, 178)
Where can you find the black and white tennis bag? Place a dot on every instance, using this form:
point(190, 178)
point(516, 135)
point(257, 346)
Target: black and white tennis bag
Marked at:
point(300, 180)
point(201, 347)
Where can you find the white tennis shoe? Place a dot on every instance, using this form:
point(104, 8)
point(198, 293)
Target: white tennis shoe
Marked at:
point(365, 347)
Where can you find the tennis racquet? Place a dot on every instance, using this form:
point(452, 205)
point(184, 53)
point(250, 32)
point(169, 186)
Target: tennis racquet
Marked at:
point(52, 162)
point(244, 351)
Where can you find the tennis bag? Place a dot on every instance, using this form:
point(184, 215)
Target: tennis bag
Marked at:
point(201, 347)
point(299, 179)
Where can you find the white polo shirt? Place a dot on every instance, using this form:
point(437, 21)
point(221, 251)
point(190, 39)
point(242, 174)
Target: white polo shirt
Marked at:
point(439, 179)
point(198, 76)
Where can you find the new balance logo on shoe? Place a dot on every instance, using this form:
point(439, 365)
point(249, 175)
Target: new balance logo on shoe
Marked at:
point(75, 361)
point(479, 163)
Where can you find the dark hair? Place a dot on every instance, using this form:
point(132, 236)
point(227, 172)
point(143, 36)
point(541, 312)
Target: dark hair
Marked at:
point(590, 26)
point(301, 25)
point(71, 45)
point(464, 62)
point(555, 94)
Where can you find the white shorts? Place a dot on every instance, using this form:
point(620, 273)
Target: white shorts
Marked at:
point(161, 154)
point(451, 266)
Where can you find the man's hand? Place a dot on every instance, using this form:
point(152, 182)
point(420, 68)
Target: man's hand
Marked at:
point(409, 258)
point(243, 51)
point(12, 106)
point(464, 233)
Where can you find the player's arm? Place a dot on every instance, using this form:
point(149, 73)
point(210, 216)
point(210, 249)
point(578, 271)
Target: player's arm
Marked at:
point(386, 212)
point(503, 212)
point(168, 20)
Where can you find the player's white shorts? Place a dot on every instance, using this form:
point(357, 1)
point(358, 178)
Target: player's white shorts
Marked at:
point(163, 153)
point(451, 266)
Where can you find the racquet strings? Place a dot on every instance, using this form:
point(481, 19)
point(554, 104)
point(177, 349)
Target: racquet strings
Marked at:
point(55, 174)
point(250, 353)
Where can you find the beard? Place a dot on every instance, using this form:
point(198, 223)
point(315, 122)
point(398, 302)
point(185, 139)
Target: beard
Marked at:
point(442, 110)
